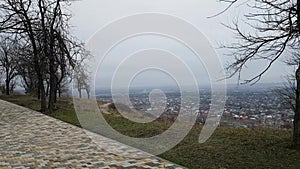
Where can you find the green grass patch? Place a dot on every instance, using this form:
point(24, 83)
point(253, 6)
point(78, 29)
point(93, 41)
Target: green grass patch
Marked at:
point(227, 148)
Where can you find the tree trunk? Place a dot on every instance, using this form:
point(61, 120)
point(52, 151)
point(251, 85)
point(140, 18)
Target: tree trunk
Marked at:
point(79, 92)
point(7, 87)
point(88, 93)
point(52, 92)
point(296, 132)
point(42, 95)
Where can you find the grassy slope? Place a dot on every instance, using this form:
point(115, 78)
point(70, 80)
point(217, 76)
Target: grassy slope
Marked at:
point(227, 148)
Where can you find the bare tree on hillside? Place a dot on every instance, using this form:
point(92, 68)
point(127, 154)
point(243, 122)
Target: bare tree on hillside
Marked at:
point(273, 28)
point(44, 24)
point(82, 81)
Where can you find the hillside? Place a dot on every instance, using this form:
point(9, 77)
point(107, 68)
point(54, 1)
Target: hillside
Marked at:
point(227, 148)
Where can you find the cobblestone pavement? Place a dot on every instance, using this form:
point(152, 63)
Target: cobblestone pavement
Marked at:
point(29, 139)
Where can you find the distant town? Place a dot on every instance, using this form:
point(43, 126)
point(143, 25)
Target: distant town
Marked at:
point(244, 108)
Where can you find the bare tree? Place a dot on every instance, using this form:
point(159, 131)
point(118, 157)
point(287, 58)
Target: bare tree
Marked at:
point(273, 28)
point(20, 18)
point(287, 92)
point(44, 24)
point(82, 81)
point(7, 62)
point(25, 67)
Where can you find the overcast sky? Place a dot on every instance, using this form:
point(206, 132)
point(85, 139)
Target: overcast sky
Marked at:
point(89, 16)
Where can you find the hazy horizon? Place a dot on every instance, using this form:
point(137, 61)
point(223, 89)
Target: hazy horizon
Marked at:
point(195, 12)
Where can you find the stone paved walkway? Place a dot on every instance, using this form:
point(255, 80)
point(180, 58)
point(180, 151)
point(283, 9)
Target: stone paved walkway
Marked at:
point(29, 139)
